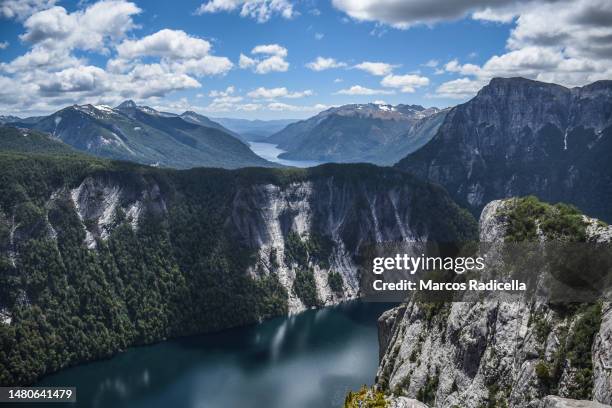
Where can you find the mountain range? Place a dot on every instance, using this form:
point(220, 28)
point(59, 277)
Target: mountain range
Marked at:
point(254, 130)
point(375, 133)
point(144, 135)
point(518, 137)
point(98, 255)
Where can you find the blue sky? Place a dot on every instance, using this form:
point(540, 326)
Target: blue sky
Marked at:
point(258, 58)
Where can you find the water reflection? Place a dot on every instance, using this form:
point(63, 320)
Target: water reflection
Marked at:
point(305, 360)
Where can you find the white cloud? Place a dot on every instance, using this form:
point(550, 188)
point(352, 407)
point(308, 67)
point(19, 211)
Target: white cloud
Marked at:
point(376, 68)
point(458, 88)
point(4, 45)
point(279, 106)
point(273, 62)
point(52, 73)
point(260, 10)
point(321, 64)
point(246, 62)
point(272, 93)
point(270, 49)
point(181, 52)
point(406, 83)
point(40, 58)
point(82, 79)
point(227, 92)
point(89, 29)
point(319, 36)
point(360, 90)
point(22, 9)
point(165, 43)
point(431, 63)
point(574, 51)
point(563, 41)
point(205, 66)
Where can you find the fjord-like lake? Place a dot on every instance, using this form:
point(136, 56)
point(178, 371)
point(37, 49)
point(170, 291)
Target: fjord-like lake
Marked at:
point(271, 152)
point(307, 360)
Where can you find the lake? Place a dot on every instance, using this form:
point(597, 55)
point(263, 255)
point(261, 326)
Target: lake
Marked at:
point(271, 152)
point(302, 361)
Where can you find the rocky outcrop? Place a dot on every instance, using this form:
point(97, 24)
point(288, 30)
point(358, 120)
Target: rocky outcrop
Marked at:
point(343, 214)
point(558, 402)
point(470, 354)
point(102, 203)
point(519, 137)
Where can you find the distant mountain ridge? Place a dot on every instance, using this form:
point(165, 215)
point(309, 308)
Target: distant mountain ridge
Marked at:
point(519, 137)
point(376, 133)
point(254, 130)
point(144, 135)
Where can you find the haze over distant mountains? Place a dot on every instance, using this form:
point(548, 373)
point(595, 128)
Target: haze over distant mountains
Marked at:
point(143, 135)
point(254, 130)
point(375, 133)
point(520, 137)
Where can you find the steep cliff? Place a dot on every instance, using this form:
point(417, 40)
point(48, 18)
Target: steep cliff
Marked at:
point(520, 137)
point(491, 353)
point(96, 256)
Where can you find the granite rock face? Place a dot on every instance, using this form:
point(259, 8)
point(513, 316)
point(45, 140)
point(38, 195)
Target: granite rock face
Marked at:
point(471, 354)
point(519, 137)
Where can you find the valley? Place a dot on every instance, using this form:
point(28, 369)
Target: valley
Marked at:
point(105, 259)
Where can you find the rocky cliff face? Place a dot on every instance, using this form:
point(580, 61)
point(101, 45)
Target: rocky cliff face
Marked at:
point(520, 137)
point(343, 214)
point(340, 214)
point(97, 256)
point(502, 354)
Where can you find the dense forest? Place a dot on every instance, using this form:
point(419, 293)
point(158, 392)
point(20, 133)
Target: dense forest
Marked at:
point(181, 271)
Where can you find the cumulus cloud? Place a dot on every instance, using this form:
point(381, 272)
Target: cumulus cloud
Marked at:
point(227, 92)
point(321, 64)
point(89, 29)
point(260, 10)
point(459, 88)
point(270, 49)
point(360, 90)
point(406, 83)
point(273, 60)
point(246, 62)
point(22, 9)
point(407, 13)
point(227, 101)
point(4, 45)
point(165, 43)
point(272, 93)
point(376, 68)
point(54, 71)
point(179, 51)
point(574, 51)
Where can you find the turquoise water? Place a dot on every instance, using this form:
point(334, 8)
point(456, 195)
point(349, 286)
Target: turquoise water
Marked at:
point(307, 360)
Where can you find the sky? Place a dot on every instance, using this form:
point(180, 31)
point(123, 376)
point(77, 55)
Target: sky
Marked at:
point(272, 59)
